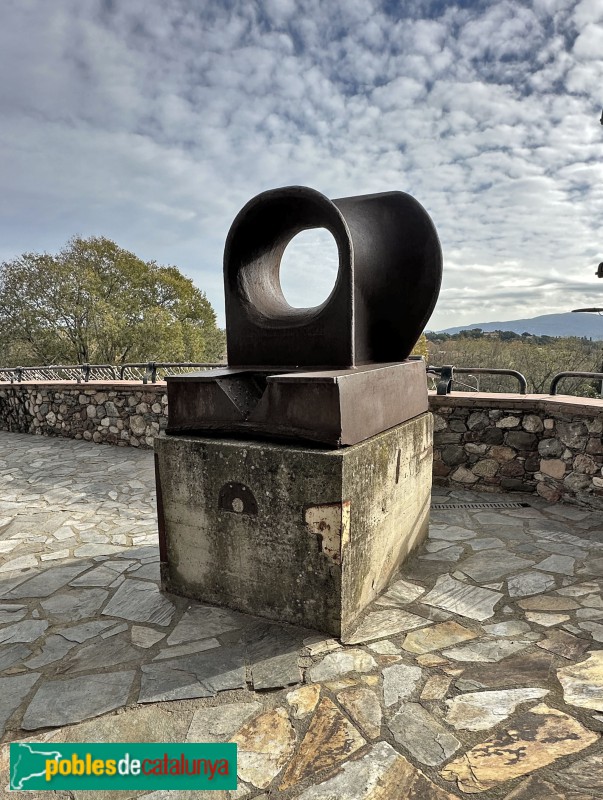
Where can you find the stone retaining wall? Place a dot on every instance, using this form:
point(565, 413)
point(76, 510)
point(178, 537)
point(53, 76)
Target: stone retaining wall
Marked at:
point(551, 445)
point(115, 412)
point(509, 442)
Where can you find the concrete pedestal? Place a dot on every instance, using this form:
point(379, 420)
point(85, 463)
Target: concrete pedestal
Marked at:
point(290, 533)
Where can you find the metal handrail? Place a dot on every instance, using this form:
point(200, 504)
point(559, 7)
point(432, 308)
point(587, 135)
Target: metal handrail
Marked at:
point(446, 375)
point(151, 367)
point(560, 375)
point(49, 372)
point(87, 372)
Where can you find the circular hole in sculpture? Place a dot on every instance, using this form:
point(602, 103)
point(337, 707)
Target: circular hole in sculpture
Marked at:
point(309, 268)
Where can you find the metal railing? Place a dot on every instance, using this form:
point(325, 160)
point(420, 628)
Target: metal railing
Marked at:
point(446, 376)
point(148, 372)
point(596, 376)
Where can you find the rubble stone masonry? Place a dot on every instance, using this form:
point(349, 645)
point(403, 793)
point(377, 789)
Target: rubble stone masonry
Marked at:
point(493, 442)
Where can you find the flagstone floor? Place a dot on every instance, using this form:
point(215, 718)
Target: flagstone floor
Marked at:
point(479, 671)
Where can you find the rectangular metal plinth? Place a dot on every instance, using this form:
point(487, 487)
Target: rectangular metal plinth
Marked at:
point(331, 407)
point(306, 536)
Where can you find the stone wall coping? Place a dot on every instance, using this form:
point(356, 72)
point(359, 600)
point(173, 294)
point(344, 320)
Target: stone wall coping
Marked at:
point(546, 403)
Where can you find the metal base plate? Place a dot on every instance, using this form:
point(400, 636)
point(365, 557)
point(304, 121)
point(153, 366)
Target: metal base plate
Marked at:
point(328, 407)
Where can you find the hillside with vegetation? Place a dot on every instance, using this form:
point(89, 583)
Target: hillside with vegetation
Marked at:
point(539, 358)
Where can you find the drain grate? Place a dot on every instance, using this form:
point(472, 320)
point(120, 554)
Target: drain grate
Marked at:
point(451, 506)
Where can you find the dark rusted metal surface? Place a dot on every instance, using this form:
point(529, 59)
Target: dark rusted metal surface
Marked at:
point(329, 407)
point(334, 374)
point(390, 266)
point(163, 554)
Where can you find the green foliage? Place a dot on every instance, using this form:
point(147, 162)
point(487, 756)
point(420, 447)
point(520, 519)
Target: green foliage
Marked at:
point(95, 302)
point(539, 358)
point(421, 348)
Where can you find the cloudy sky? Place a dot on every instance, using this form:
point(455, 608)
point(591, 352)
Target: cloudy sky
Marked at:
point(152, 122)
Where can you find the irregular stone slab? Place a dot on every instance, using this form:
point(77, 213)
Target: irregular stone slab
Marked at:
point(561, 564)
point(74, 604)
point(403, 592)
point(101, 654)
point(199, 675)
point(64, 702)
point(460, 598)
point(339, 663)
point(537, 788)
point(487, 543)
point(12, 693)
point(187, 649)
point(491, 564)
point(592, 601)
point(16, 564)
point(48, 582)
point(586, 774)
point(92, 550)
point(140, 601)
point(514, 627)
point(452, 553)
point(537, 737)
point(564, 644)
point(548, 602)
point(422, 735)
point(384, 648)
point(583, 683)
point(488, 651)
point(529, 583)
point(272, 653)
point(436, 687)
point(204, 622)
point(318, 645)
point(26, 631)
point(595, 630)
point(362, 704)
point(546, 620)
point(436, 637)
point(479, 711)
point(388, 622)
point(378, 774)
point(452, 533)
point(578, 589)
point(399, 682)
point(103, 575)
point(219, 723)
point(79, 633)
point(55, 647)
point(589, 613)
point(145, 637)
point(563, 549)
point(303, 700)
point(438, 544)
point(331, 739)
point(522, 670)
point(11, 654)
point(265, 745)
point(11, 613)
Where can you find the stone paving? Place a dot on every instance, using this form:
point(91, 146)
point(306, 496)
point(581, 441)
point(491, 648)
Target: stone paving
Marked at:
point(479, 671)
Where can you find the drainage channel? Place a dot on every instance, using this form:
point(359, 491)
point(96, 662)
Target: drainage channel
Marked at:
point(451, 506)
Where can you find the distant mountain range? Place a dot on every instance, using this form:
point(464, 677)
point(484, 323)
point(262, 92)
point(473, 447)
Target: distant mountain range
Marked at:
point(588, 325)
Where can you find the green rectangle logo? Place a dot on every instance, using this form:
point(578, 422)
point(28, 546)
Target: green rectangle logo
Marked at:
point(122, 765)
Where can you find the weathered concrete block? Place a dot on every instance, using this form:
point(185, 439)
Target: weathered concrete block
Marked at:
point(300, 535)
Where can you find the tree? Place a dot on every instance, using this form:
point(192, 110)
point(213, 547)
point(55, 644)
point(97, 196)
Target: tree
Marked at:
point(98, 303)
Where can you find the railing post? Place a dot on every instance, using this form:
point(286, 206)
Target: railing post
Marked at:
point(445, 382)
point(19, 372)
